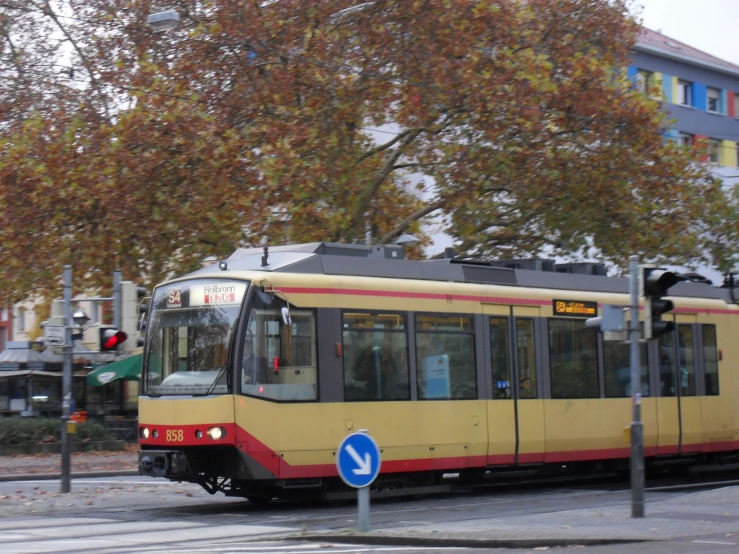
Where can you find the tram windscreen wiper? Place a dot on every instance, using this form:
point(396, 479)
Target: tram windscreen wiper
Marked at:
point(215, 381)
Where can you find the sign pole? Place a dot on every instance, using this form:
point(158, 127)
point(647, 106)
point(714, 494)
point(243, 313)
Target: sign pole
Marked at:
point(67, 377)
point(637, 428)
point(358, 461)
point(363, 505)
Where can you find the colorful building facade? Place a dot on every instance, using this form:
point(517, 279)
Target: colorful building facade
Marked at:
point(699, 91)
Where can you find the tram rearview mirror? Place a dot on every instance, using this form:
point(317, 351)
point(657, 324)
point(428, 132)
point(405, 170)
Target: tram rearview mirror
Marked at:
point(286, 315)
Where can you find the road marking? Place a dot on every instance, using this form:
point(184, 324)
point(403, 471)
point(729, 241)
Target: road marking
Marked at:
point(721, 543)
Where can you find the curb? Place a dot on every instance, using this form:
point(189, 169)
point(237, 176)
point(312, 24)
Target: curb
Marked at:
point(387, 540)
point(79, 475)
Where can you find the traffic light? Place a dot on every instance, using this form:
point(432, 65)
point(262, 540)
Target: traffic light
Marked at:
point(655, 282)
point(132, 303)
point(111, 338)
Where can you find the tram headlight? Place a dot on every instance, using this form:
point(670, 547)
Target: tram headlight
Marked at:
point(144, 433)
point(216, 433)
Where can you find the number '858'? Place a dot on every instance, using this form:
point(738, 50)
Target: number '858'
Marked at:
point(175, 435)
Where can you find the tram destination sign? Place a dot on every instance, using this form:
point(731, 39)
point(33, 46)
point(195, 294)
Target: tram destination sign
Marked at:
point(575, 308)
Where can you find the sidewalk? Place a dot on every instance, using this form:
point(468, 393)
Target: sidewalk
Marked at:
point(699, 514)
point(88, 464)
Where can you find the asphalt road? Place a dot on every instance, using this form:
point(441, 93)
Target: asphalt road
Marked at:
point(134, 514)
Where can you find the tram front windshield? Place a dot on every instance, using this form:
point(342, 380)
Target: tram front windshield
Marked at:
point(189, 335)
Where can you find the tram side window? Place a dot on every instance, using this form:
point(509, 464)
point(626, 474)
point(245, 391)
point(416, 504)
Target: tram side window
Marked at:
point(375, 357)
point(677, 365)
point(526, 357)
point(667, 365)
point(445, 357)
point(573, 358)
point(617, 359)
point(710, 359)
point(686, 359)
point(279, 359)
point(499, 357)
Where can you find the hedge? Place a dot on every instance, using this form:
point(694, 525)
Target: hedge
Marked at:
point(29, 430)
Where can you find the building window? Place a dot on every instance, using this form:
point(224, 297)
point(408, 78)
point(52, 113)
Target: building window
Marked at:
point(686, 139)
point(644, 81)
point(736, 105)
point(710, 359)
point(445, 354)
point(3, 338)
point(714, 100)
point(4, 314)
point(375, 357)
point(684, 97)
point(21, 320)
point(714, 149)
point(573, 358)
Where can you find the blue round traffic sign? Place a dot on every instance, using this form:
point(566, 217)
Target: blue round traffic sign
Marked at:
point(358, 460)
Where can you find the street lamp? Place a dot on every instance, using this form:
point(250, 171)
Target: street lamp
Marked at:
point(81, 319)
point(162, 22)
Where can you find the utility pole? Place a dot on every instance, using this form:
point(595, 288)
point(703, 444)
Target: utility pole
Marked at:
point(64, 337)
point(637, 428)
point(67, 377)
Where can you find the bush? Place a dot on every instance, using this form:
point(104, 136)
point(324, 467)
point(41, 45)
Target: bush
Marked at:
point(29, 430)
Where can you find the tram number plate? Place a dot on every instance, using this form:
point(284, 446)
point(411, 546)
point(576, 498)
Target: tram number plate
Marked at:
point(175, 435)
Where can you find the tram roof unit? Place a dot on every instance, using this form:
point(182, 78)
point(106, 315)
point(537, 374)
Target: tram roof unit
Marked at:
point(388, 261)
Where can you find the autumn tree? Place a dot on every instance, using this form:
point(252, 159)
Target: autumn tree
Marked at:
point(511, 121)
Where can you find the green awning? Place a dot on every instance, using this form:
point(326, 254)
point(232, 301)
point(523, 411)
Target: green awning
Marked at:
point(127, 368)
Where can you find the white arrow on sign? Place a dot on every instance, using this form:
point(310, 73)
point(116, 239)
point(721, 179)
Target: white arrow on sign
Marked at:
point(365, 466)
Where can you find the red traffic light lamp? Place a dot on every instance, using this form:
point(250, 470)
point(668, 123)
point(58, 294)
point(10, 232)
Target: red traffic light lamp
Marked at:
point(111, 338)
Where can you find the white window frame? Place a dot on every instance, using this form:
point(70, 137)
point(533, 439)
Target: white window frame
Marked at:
point(21, 323)
point(709, 98)
point(684, 93)
point(644, 80)
point(714, 150)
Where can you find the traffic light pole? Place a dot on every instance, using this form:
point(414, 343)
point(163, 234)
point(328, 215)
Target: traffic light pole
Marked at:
point(637, 428)
point(67, 377)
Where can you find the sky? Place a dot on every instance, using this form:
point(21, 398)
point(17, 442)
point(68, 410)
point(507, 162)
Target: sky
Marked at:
point(708, 25)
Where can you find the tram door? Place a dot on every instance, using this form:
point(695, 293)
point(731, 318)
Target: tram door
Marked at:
point(678, 408)
point(516, 413)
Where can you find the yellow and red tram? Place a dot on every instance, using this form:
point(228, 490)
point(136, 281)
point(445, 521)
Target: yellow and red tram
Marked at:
point(256, 369)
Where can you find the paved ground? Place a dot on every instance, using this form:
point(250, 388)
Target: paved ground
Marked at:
point(36, 465)
point(714, 513)
point(706, 521)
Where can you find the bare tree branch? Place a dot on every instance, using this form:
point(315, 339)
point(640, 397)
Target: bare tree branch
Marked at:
point(398, 230)
point(85, 62)
point(385, 146)
point(379, 177)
